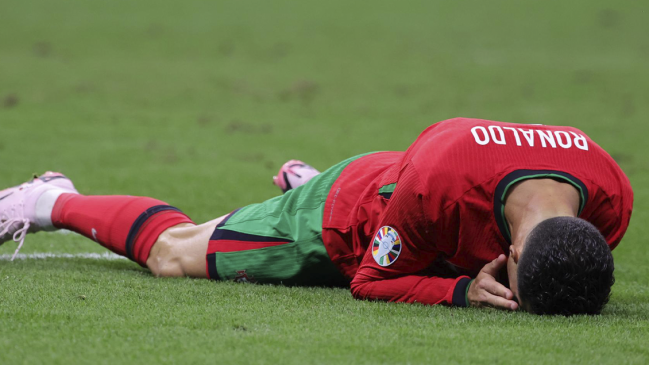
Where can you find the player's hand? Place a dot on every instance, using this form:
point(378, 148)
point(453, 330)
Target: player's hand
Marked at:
point(486, 291)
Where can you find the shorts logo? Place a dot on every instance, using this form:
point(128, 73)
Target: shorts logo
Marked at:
point(387, 246)
point(243, 277)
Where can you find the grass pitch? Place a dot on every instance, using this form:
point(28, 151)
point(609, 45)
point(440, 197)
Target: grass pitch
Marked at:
point(198, 103)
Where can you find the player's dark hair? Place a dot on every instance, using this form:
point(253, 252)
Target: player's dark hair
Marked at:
point(565, 268)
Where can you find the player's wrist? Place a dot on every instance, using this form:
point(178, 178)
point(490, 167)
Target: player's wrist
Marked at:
point(460, 292)
point(466, 292)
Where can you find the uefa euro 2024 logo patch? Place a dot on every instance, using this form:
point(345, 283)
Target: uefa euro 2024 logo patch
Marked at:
point(387, 246)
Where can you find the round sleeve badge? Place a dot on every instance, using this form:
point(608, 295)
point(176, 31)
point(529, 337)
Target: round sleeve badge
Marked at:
point(387, 246)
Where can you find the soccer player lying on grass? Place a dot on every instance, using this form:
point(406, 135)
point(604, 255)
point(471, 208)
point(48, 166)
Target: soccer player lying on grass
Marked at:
point(530, 212)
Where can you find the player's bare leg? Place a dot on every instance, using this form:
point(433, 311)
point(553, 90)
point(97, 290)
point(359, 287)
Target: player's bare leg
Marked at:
point(180, 250)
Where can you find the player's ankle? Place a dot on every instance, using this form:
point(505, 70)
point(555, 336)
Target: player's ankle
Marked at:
point(45, 206)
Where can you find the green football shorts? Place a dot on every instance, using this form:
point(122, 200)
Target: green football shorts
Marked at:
point(278, 241)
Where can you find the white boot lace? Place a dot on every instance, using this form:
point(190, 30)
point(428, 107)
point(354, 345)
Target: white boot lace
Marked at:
point(7, 223)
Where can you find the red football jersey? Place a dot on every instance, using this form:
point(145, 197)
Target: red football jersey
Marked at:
point(412, 226)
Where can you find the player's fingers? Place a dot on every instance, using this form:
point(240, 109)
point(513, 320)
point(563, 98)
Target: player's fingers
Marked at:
point(501, 303)
point(494, 266)
point(497, 289)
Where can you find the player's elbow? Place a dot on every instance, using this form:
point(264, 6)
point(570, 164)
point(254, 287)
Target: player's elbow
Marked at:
point(359, 289)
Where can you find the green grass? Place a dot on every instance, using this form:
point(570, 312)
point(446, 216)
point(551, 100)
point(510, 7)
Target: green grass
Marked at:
point(198, 103)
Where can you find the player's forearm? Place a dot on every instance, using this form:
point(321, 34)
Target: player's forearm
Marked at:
point(411, 289)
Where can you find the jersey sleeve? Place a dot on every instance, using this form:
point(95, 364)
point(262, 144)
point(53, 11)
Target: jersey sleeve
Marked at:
point(398, 275)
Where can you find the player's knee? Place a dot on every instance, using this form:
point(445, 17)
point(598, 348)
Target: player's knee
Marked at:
point(168, 269)
point(163, 260)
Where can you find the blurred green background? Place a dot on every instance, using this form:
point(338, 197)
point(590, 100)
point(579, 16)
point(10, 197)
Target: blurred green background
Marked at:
point(198, 103)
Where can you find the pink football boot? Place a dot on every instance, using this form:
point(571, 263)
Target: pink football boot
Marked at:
point(27, 208)
point(294, 173)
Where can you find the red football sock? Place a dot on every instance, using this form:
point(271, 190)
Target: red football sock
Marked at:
point(126, 225)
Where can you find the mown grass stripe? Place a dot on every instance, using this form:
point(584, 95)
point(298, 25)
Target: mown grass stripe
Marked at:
point(50, 255)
